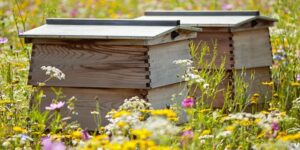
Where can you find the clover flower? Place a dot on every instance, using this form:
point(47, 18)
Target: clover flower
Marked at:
point(188, 102)
point(48, 144)
point(53, 72)
point(55, 106)
point(3, 40)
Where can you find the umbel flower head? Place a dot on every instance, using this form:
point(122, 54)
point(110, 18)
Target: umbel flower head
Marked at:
point(55, 106)
point(54, 72)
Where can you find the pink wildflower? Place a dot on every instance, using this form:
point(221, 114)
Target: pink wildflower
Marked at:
point(188, 102)
point(48, 144)
point(55, 106)
point(298, 77)
point(227, 7)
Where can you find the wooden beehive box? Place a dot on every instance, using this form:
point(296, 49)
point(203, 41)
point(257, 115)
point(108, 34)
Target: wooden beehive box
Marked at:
point(109, 59)
point(242, 37)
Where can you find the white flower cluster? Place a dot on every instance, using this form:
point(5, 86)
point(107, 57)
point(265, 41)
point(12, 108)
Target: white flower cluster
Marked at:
point(296, 103)
point(127, 120)
point(135, 104)
point(53, 72)
point(185, 62)
point(158, 126)
point(264, 119)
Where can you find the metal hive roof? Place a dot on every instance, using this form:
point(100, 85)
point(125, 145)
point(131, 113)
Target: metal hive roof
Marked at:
point(102, 29)
point(207, 18)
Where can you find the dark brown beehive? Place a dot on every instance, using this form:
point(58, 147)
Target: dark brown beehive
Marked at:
point(111, 60)
point(242, 38)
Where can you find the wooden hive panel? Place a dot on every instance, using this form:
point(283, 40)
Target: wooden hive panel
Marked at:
point(252, 48)
point(261, 74)
point(92, 65)
point(222, 41)
point(163, 71)
point(86, 102)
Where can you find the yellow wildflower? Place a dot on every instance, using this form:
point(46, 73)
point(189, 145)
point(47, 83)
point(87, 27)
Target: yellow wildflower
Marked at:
point(291, 137)
point(295, 84)
point(19, 129)
point(121, 124)
point(205, 132)
point(77, 134)
point(141, 133)
point(230, 128)
point(268, 83)
point(254, 98)
point(120, 113)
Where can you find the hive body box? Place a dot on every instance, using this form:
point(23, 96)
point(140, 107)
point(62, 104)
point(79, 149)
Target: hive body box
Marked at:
point(111, 60)
point(242, 38)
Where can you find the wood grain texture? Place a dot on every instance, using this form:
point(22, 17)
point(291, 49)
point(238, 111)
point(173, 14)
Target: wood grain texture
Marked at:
point(261, 74)
point(162, 69)
point(161, 97)
point(252, 49)
point(222, 41)
point(87, 65)
point(86, 102)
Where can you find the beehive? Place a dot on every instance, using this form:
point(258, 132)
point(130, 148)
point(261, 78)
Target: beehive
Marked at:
point(109, 59)
point(242, 38)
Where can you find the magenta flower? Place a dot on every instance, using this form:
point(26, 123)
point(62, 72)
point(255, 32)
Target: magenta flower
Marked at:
point(298, 77)
point(188, 102)
point(188, 134)
point(48, 144)
point(74, 13)
point(55, 106)
point(3, 40)
point(275, 126)
point(227, 7)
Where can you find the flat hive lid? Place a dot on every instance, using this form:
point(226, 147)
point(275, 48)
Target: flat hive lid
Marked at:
point(102, 29)
point(206, 18)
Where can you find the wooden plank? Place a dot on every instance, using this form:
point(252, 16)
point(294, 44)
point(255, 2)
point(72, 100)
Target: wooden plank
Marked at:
point(182, 35)
point(252, 49)
point(87, 65)
point(161, 97)
point(218, 102)
point(162, 69)
point(261, 74)
point(223, 41)
point(86, 102)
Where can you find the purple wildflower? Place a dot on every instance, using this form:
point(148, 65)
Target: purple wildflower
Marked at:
point(55, 106)
point(188, 102)
point(298, 77)
point(48, 144)
point(277, 57)
point(85, 135)
point(3, 40)
point(189, 134)
point(275, 126)
point(227, 7)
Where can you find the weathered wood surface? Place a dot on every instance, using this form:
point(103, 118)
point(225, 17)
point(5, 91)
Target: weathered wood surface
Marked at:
point(161, 97)
point(92, 65)
point(261, 74)
point(223, 43)
point(252, 49)
point(86, 102)
point(162, 69)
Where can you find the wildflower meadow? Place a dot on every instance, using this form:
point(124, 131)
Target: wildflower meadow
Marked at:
point(256, 121)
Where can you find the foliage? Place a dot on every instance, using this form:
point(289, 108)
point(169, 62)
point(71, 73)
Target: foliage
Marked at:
point(135, 125)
